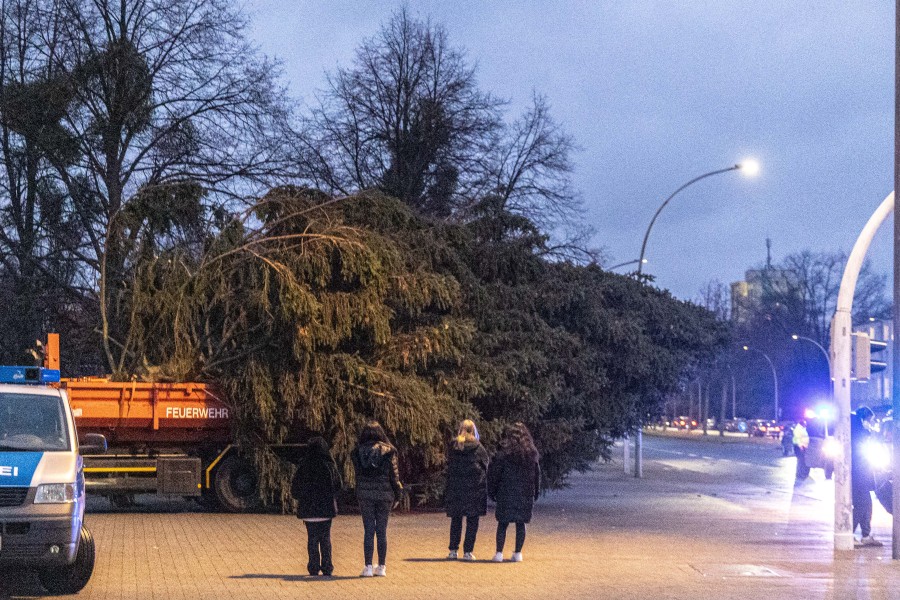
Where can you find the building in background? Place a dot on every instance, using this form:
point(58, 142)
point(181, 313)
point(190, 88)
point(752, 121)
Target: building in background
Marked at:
point(747, 296)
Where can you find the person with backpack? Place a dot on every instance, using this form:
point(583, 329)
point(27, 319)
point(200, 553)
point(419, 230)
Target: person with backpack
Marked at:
point(315, 487)
point(466, 489)
point(378, 490)
point(514, 483)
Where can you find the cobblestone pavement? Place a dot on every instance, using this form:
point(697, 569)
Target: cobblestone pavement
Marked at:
point(681, 532)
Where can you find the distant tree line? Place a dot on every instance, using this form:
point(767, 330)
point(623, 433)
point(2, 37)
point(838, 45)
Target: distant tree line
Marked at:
point(794, 296)
point(387, 253)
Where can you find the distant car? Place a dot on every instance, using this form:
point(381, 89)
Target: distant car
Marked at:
point(763, 428)
point(821, 451)
point(684, 422)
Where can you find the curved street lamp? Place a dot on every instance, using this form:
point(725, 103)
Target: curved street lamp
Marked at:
point(774, 374)
point(625, 264)
point(749, 167)
point(796, 337)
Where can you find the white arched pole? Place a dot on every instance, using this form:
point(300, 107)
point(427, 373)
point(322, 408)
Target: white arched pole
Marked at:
point(841, 330)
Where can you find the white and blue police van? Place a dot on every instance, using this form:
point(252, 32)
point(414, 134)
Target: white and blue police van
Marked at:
point(42, 497)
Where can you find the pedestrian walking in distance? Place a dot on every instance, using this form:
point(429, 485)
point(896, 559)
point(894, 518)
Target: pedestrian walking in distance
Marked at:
point(378, 490)
point(862, 475)
point(514, 483)
point(315, 487)
point(466, 490)
point(800, 440)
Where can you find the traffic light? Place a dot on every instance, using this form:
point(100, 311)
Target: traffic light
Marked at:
point(864, 348)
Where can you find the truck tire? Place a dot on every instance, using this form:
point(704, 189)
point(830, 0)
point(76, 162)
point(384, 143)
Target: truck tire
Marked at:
point(237, 485)
point(71, 579)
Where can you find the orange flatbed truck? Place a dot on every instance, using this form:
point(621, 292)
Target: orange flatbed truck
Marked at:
point(173, 439)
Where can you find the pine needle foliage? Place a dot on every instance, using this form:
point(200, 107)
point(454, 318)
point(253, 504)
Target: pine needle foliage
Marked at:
point(310, 322)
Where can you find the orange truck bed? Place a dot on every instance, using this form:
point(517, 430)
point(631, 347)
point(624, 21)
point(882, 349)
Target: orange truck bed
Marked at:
point(135, 413)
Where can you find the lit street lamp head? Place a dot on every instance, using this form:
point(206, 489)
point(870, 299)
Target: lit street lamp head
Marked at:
point(795, 337)
point(749, 167)
point(746, 347)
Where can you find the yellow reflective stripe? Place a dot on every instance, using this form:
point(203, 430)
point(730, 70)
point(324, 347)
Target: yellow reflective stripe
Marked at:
point(214, 463)
point(120, 470)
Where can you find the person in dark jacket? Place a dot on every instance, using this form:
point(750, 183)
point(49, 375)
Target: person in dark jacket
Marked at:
point(378, 489)
point(862, 475)
point(315, 486)
point(514, 483)
point(466, 491)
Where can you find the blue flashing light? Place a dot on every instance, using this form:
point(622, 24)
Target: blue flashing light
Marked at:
point(28, 375)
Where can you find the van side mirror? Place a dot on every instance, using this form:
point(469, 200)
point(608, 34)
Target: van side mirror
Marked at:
point(92, 443)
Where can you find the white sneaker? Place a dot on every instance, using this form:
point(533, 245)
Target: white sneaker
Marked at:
point(453, 555)
point(517, 557)
point(381, 571)
point(498, 557)
point(469, 556)
point(367, 571)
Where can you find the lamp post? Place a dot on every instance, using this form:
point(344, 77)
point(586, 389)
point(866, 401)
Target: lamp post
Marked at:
point(749, 167)
point(774, 374)
point(796, 337)
point(625, 264)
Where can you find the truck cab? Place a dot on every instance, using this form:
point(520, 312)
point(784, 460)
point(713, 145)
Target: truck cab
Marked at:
point(42, 491)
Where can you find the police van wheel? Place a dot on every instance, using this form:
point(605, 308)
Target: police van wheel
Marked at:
point(71, 579)
point(829, 471)
point(237, 485)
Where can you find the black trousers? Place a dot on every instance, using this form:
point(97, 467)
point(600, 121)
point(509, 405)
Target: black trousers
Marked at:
point(456, 533)
point(375, 515)
point(318, 544)
point(501, 536)
point(862, 509)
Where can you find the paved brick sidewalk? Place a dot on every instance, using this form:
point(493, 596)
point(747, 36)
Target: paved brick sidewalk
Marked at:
point(678, 533)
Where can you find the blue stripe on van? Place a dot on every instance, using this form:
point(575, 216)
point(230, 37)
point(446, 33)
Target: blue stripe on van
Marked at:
point(17, 468)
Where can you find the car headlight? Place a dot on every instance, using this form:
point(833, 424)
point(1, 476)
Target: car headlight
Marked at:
point(831, 448)
point(877, 454)
point(55, 493)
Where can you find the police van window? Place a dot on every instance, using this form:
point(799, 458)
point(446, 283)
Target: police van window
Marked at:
point(33, 423)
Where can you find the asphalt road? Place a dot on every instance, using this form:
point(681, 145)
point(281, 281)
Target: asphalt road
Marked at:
point(711, 518)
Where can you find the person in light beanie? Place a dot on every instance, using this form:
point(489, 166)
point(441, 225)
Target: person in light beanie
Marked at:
point(466, 490)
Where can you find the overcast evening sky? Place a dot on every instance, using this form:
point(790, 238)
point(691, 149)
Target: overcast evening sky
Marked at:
point(658, 92)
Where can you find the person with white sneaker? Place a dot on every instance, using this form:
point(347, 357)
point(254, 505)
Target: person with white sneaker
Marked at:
point(378, 490)
point(514, 483)
point(862, 475)
point(466, 490)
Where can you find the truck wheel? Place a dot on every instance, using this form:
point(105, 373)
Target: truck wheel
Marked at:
point(71, 579)
point(829, 471)
point(237, 485)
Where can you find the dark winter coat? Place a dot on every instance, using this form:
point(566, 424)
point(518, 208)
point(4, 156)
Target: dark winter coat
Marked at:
point(315, 485)
point(466, 491)
point(377, 473)
point(862, 475)
point(514, 483)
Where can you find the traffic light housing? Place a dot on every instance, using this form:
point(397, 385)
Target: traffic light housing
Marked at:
point(864, 348)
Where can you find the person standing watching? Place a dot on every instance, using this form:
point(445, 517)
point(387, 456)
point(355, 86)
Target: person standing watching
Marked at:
point(862, 475)
point(315, 487)
point(378, 489)
point(466, 491)
point(800, 440)
point(514, 483)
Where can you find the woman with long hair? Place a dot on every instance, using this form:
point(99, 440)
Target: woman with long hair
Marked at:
point(514, 483)
point(378, 490)
point(315, 487)
point(466, 491)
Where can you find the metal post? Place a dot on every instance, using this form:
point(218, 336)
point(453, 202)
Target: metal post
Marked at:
point(705, 402)
point(841, 329)
point(895, 383)
point(625, 459)
point(733, 398)
point(638, 458)
point(722, 412)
